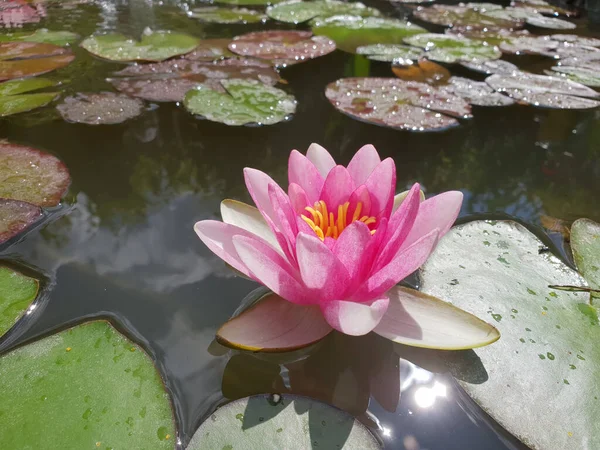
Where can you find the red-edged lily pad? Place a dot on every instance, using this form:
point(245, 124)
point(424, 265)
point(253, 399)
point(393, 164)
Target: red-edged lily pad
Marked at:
point(476, 92)
point(16, 217)
point(26, 59)
point(394, 103)
point(31, 176)
point(100, 108)
point(283, 48)
point(464, 17)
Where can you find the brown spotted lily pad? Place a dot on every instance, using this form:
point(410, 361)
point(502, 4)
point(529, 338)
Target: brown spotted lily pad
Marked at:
point(465, 17)
point(476, 92)
point(544, 91)
point(16, 217)
point(394, 103)
point(32, 176)
point(100, 108)
point(26, 59)
point(282, 48)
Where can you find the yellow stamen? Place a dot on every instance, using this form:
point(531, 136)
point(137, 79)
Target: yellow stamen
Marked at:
point(357, 211)
point(327, 224)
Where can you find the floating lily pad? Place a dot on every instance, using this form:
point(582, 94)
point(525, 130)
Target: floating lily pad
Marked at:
point(102, 108)
point(572, 51)
point(282, 48)
point(405, 105)
point(543, 7)
point(90, 375)
point(573, 39)
point(249, 2)
point(530, 16)
point(390, 52)
point(549, 337)
point(476, 92)
point(211, 50)
point(299, 11)
point(423, 71)
point(13, 97)
point(449, 48)
point(16, 217)
point(42, 35)
point(153, 46)
point(491, 37)
point(17, 293)
point(245, 102)
point(551, 22)
point(585, 243)
point(275, 422)
point(464, 17)
point(583, 75)
point(350, 32)
point(544, 91)
point(489, 67)
point(26, 59)
point(227, 15)
point(528, 45)
point(31, 176)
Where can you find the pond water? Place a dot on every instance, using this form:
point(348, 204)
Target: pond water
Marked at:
point(122, 244)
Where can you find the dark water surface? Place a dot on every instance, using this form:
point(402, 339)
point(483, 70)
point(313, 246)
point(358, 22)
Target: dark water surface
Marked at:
point(123, 244)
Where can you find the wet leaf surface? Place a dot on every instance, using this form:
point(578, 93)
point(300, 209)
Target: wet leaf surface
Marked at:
point(15, 217)
point(245, 102)
point(13, 99)
point(282, 48)
point(464, 17)
point(85, 387)
point(583, 75)
point(391, 52)
point(32, 176)
point(153, 46)
point(41, 35)
point(25, 59)
point(549, 337)
point(17, 291)
point(531, 16)
point(248, 2)
point(301, 11)
point(211, 50)
point(227, 15)
point(528, 45)
point(489, 67)
point(546, 8)
point(573, 39)
point(423, 71)
point(101, 108)
point(350, 32)
point(585, 243)
point(476, 92)
point(394, 103)
point(449, 48)
point(551, 22)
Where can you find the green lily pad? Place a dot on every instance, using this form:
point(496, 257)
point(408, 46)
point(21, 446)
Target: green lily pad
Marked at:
point(531, 16)
point(490, 67)
point(275, 422)
point(583, 75)
point(42, 35)
point(27, 59)
point(476, 92)
point(16, 217)
point(249, 2)
point(544, 91)
point(350, 32)
point(217, 14)
point(390, 52)
point(297, 11)
point(543, 7)
point(100, 108)
point(465, 17)
point(585, 243)
point(85, 387)
point(280, 47)
point(450, 48)
point(549, 337)
point(528, 45)
point(17, 294)
point(394, 103)
point(13, 97)
point(32, 176)
point(245, 102)
point(153, 46)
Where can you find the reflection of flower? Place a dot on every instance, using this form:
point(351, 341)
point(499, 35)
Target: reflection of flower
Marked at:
point(16, 13)
point(338, 239)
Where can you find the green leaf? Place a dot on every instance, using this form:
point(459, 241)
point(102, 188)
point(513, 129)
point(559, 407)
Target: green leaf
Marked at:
point(275, 422)
point(468, 17)
point(216, 14)
point(585, 243)
point(27, 59)
point(85, 387)
point(390, 52)
point(17, 294)
point(296, 11)
point(43, 35)
point(153, 46)
point(448, 48)
point(248, 2)
point(246, 101)
point(548, 358)
point(13, 101)
point(583, 75)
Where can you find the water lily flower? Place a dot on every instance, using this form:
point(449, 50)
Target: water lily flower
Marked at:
point(334, 247)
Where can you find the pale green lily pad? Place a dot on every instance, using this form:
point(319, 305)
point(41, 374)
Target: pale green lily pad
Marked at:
point(276, 422)
point(246, 102)
point(13, 97)
point(85, 387)
point(583, 75)
point(297, 11)
point(153, 46)
point(390, 52)
point(42, 35)
point(17, 294)
point(549, 344)
point(216, 14)
point(350, 32)
point(450, 48)
point(467, 17)
point(585, 243)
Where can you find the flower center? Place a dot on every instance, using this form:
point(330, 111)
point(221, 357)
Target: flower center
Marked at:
point(327, 224)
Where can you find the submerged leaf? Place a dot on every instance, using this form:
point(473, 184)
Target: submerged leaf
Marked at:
point(101, 108)
point(423, 71)
point(450, 48)
point(585, 243)
point(26, 59)
point(296, 11)
point(227, 15)
point(17, 294)
point(16, 217)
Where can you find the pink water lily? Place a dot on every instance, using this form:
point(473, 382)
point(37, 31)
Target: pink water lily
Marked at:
point(335, 245)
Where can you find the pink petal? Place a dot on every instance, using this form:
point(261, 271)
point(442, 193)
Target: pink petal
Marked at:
point(403, 264)
point(321, 158)
point(437, 212)
point(381, 185)
point(298, 198)
point(286, 223)
point(354, 318)
point(361, 194)
point(304, 173)
point(363, 163)
point(248, 218)
point(321, 270)
point(337, 188)
point(271, 269)
point(274, 324)
point(354, 250)
point(399, 198)
point(257, 183)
